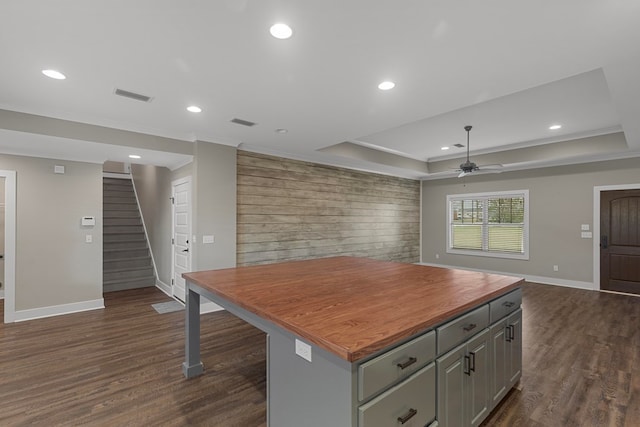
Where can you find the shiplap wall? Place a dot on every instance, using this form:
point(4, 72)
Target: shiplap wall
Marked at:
point(289, 210)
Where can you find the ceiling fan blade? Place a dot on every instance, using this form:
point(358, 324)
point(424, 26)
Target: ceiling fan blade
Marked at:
point(463, 173)
point(491, 166)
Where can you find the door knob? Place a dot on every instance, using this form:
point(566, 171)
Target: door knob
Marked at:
point(185, 250)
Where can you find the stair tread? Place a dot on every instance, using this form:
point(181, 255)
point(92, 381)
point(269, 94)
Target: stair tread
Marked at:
point(136, 242)
point(124, 235)
point(121, 269)
point(135, 258)
point(137, 279)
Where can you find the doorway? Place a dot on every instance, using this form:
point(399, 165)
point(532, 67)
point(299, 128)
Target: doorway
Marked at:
point(9, 279)
point(1, 237)
point(620, 240)
point(181, 235)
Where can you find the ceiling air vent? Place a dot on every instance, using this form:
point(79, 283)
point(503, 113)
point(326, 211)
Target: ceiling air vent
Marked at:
point(132, 95)
point(458, 145)
point(243, 122)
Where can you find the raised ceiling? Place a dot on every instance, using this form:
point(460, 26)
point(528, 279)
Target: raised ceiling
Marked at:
point(510, 69)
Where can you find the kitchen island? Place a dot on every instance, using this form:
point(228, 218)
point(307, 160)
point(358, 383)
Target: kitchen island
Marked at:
point(357, 342)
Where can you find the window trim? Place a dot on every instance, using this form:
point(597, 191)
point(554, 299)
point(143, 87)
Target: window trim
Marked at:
point(483, 253)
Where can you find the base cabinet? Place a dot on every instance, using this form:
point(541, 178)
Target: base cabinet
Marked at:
point(514, 348)
point(409, 404)
point(453, 376)
point(463, 383)
point(505, 356)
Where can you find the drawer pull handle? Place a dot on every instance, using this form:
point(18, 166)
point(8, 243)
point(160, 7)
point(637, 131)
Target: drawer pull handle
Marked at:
point(408, 363)
point(508, 304)
point(469, 327)
point(408, 416)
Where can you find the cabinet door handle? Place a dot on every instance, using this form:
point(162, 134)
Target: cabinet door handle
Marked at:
point(408, 363)
point(467, 365)
point(510, 333)
point(472, 362)
point(407, 416)
point(469, 327)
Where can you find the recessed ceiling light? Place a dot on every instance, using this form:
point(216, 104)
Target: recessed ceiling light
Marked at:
point(555, 127)
point(444, 148)
point(281, 31)
point(281, 130)
point(386, 85)
point(134, 156)
point(194, 109)
point(54, 74)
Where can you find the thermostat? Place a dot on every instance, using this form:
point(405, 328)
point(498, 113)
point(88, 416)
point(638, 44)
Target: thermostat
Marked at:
point(88, 221)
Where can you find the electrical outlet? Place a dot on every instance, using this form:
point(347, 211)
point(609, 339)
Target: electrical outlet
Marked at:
point(88, 238)
point(555, 268)
point(437, 256)
point(303, 350)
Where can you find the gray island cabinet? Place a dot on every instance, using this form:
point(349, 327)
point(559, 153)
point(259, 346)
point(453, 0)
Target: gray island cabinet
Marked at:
point(357, 342)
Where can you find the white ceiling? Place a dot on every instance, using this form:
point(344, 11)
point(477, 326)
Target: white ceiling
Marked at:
point(510, 69)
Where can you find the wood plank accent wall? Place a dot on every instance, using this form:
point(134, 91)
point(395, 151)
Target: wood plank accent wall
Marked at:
point(292, 210)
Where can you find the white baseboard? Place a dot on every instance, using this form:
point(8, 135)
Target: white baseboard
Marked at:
point(206, 306)
point(561, 282)
point(164, 287)
point(58, 310)
point(529, 278)
point(1, 293)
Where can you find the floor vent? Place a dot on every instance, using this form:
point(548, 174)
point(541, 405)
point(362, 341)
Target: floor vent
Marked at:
point(133, 95)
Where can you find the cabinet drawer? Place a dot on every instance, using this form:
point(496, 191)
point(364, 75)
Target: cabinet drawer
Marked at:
point(397, 363)
point(505, 305)
point(413, 400)
point(459, 330)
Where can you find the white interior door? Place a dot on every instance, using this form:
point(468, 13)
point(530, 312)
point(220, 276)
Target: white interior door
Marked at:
point(181, 196)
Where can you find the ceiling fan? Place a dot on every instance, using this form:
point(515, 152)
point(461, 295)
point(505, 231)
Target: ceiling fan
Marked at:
point(469, 166)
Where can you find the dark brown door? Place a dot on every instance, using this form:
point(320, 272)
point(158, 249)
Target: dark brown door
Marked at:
point(620, 241)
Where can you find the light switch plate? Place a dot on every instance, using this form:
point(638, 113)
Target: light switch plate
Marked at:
point(303, 350)
point(586, 235)
point(584, 227)
point(208, 239)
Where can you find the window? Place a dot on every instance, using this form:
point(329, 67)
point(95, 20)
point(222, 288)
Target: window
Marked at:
point(489, 224)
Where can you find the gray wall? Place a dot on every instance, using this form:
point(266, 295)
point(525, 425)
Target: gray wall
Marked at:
point(153, 187)
point(561, 199)
point(214, 205)
point(54, 265)
point(288, 209)
point(213, 179)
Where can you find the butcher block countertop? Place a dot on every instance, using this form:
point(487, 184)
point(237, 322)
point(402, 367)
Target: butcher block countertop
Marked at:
point(353, 307)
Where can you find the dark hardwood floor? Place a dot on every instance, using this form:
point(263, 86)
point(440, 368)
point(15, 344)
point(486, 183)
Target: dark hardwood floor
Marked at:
point(580, 361)
point(121, 366)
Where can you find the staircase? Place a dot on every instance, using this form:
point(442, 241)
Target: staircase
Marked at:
point(126, 257)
